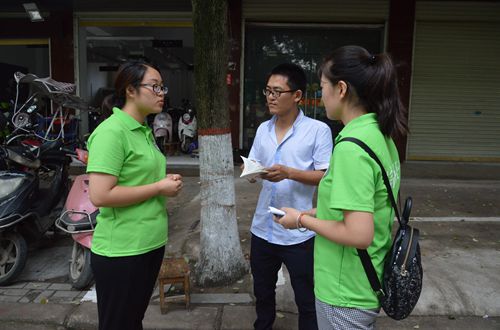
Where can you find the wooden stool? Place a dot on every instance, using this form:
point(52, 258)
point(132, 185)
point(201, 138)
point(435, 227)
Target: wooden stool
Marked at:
point(173, 270)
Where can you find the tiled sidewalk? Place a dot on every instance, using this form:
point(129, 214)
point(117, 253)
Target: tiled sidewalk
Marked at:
point(40, 292)
point(60, 293)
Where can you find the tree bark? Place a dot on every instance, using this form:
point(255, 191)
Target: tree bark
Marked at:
point(221, 259)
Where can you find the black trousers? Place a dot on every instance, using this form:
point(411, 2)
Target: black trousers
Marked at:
point(124, 286)
point(266, 259)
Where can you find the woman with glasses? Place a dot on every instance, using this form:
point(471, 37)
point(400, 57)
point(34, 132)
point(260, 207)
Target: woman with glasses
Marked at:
point(353, 210)
point(128, 183)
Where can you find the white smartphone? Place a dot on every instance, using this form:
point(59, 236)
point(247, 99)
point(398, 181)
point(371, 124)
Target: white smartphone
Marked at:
point(276, 212)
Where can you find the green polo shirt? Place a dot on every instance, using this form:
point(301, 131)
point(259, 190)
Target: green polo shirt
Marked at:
point(124, 148)
point(354, 182)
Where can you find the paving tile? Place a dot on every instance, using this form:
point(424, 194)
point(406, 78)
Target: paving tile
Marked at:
point(9, 299)
point(18, 285)
point(65, 294)
point(44, 295)
point(60, 286)
point(37, 285)
point(15, 292)
point(24, 300)
point(31, 296)
point(60, 296)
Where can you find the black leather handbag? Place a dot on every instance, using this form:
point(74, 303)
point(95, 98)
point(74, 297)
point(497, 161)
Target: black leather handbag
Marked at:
point(402, 279)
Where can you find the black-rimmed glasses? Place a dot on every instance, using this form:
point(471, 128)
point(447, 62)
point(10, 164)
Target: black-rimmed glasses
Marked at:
point(274, 93)
point(157, 89)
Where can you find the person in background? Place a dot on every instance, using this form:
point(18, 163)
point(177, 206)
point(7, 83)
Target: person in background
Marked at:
point(295, 150)
point(353, 209)
point(128, 183)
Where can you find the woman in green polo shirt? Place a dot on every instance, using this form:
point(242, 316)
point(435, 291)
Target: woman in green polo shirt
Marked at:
point(353, 210)
point(128, 183)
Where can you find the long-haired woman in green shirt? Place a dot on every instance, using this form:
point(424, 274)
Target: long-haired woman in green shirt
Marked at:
point(353, 210)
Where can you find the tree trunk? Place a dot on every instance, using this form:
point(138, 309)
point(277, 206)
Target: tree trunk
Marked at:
point(221, 259)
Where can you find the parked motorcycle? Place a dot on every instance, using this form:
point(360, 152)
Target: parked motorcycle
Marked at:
point(33, 173)
point(28, 201)
point(187, 128)
point(162, 130)
point(79, 219)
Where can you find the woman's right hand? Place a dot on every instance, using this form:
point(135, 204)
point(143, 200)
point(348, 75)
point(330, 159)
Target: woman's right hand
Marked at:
point(170, 186)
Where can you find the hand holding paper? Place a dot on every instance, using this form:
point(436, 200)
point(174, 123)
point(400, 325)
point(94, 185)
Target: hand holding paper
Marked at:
point(252, 168)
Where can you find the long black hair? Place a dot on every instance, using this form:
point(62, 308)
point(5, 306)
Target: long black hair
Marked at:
point(371, 82)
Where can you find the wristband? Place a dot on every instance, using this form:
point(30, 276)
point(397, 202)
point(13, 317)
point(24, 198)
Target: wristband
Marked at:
point(299, 224)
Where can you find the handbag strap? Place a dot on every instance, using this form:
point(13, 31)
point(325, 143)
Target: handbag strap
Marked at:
point(363, 254)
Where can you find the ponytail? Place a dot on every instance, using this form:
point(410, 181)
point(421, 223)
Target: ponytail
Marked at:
point(372, 83)
point(383, 97)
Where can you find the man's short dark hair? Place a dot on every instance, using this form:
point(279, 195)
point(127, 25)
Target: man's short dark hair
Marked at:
point(295, 75)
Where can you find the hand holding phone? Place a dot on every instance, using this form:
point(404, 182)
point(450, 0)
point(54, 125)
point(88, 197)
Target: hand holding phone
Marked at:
point(277, 212)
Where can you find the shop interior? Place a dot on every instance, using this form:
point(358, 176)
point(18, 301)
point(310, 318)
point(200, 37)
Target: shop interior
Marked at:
point(170, 49)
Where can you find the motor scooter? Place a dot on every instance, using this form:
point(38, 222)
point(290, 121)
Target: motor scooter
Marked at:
point(187, 128)
point(28, 202)
point(34, 177)
point(78, 218)
point(162, 130)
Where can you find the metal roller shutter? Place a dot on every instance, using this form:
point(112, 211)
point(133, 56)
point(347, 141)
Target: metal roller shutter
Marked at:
point(455, 103)
point(314, 11)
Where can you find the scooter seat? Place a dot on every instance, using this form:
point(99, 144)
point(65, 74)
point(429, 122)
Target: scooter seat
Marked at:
point(23, 156)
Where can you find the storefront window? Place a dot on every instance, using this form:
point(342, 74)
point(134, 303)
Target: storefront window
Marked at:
point(104, 46)
point(269, 45)
point(26, 56)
